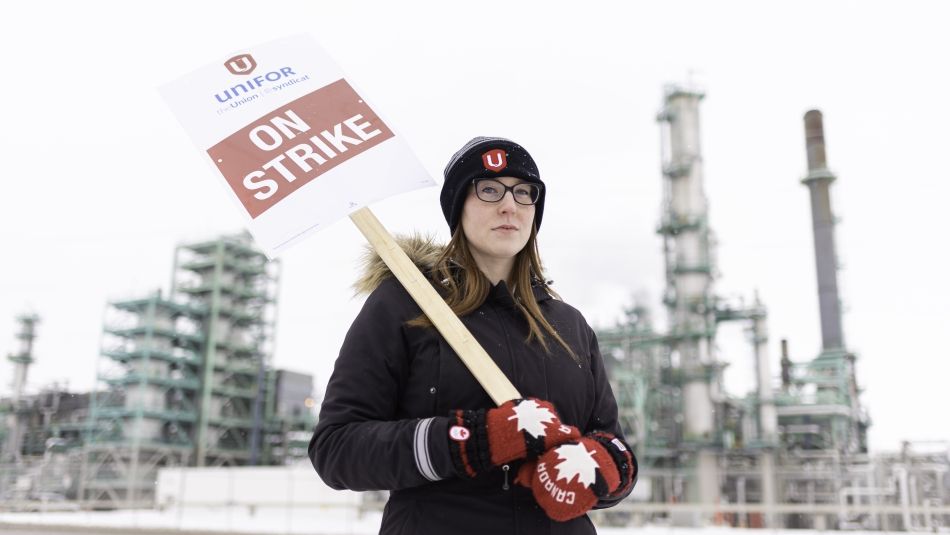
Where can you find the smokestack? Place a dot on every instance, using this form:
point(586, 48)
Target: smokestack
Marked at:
point(819, 180)
point(786, 366)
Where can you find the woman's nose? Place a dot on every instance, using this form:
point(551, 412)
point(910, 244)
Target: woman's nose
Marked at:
point(507, 202)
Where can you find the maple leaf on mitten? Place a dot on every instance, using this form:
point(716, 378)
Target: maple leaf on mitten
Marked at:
point(569, 480)
point(518, 429)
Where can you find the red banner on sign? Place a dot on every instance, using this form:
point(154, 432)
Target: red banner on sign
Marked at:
point(278, 154)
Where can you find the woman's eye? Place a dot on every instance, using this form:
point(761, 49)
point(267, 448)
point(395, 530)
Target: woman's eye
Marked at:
point(489, 190)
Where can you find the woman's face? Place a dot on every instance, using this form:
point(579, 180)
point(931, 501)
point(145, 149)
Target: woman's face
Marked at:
point(496, 230)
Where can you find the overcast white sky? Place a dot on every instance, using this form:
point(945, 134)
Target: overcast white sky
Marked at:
point(100, 182)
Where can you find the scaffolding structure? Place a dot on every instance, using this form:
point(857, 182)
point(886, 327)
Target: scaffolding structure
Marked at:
point(185, 378)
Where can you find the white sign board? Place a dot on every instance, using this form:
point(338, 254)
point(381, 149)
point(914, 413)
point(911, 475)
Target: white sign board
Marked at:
point(296, 145)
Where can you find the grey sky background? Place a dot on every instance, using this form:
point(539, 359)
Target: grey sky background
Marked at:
point(100, 182)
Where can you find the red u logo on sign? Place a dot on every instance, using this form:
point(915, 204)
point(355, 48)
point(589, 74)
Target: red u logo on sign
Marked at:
point(242, 64)
point(495, 160)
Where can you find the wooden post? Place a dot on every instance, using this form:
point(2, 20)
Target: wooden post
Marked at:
point(481, 365)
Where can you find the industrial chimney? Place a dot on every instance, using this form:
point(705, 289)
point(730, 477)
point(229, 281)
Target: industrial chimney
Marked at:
point(818, 180)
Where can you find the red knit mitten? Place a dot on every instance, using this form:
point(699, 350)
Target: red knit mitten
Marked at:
point(518, 429)
point(567, 481)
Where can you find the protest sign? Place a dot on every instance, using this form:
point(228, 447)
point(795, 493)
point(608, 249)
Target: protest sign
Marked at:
point(295, 144)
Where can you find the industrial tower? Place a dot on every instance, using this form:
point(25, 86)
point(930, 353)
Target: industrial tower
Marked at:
point(183, 378)
point(831, 407)
point(689, 287)
point(688, 431)
point(21, 359)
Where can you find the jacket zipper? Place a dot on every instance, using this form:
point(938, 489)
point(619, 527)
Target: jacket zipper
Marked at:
point(505, 469)
point(511, 353)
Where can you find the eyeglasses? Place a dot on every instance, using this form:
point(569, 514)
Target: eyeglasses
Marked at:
point(490, 190)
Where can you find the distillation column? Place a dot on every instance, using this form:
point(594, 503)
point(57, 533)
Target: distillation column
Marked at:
point(21, 361)
point(689, 283)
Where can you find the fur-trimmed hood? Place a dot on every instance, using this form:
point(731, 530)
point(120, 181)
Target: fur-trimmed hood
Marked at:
point(423, 250)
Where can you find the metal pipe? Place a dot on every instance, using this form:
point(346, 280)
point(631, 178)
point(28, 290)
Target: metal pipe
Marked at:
point(904, 496)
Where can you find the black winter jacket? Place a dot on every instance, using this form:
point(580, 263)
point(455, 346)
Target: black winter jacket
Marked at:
point(384, 420)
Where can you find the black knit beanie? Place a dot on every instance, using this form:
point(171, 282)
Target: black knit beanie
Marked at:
point(486, 157)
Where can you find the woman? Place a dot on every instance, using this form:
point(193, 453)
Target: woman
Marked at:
point(402, 412)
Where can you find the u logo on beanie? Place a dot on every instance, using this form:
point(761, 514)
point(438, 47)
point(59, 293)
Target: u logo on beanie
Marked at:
point(495, 160)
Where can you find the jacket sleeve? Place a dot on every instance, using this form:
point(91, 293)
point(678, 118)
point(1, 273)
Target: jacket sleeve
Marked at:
point(605, 415)
point(360, 443)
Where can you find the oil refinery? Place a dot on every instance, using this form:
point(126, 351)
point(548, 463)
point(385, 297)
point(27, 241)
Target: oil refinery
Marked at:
point(186, 380)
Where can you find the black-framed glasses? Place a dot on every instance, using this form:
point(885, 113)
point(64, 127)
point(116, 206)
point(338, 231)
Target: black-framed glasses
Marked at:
point(490, 190)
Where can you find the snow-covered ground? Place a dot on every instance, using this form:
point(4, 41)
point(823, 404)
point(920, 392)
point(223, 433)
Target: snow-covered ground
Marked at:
point(312, 521)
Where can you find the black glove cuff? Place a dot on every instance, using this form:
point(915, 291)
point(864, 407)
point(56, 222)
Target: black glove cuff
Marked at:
point(617, 448)
point(470, 454)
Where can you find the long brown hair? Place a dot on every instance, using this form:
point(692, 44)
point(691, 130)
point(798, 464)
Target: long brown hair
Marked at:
point(465, 287)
